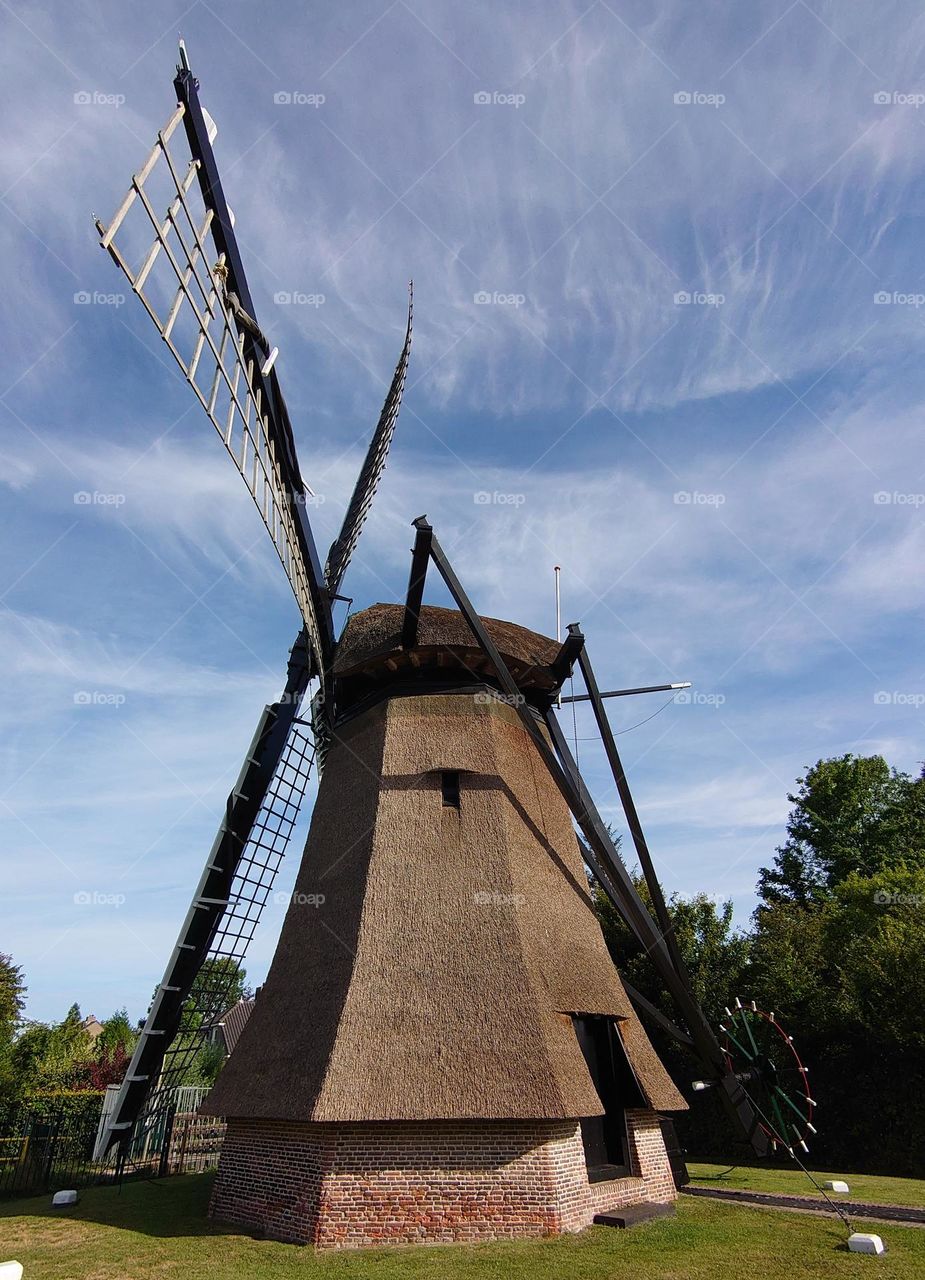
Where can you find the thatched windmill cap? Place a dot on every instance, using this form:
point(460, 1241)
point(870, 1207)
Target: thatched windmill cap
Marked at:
point(371, 646)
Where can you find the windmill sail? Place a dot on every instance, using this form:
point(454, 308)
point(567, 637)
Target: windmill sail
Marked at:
point(191, 287)
point(235, 885)
point(191, 280)
point(374, 464)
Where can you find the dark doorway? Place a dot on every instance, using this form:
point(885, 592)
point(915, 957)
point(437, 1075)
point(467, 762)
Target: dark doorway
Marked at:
point(604, 1137)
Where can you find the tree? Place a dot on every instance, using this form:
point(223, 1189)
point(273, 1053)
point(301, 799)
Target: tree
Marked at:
point(874, 932)
point(839, 951)
point(790, 971)
point(48, 1058)
point(715, 953)
point(218, 985)
point(851, 815)
point(12, 997)
point(108, 1067)
point(12, 1003)
point(112, 1051)
point(117, 1034)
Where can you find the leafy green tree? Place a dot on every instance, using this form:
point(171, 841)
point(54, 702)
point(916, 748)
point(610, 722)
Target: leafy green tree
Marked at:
point(12, 997)
point(220, 983)
point(851, 814)
point(117, 1034)
point(12, 1003)
point(790, 970)
point(48, 1058)
point(874, 936)
point(838, 950)
point(715, 953)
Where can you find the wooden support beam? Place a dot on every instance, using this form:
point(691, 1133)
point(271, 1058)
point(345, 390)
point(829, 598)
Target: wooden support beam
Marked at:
point(420, 558)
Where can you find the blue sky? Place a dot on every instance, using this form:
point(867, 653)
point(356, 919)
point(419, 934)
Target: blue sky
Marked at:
point(733, 484)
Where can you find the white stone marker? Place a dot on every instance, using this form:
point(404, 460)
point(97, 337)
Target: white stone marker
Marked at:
point(64, 1197)
point(841, 1187)
point(862, 1242)
point(10, 1271)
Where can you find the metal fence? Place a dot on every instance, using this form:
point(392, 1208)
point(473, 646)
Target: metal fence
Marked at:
point(46, 1149)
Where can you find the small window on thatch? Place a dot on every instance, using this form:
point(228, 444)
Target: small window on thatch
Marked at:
point(449, 782)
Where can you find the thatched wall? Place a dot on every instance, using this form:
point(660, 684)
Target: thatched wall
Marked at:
point(436, 979)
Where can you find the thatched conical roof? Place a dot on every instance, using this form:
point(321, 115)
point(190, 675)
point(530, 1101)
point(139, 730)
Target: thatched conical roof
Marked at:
point(432, 956)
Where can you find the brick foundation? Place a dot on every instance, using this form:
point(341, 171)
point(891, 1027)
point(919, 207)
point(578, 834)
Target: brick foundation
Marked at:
point(350, 1185)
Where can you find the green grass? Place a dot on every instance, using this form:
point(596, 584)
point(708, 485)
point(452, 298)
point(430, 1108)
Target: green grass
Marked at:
point(865, 1187)
point(159, 1230)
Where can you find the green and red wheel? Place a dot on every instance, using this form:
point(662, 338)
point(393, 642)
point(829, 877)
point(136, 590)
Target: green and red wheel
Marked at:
point(762, 1055)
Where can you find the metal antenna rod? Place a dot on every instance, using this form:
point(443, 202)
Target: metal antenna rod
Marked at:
point(557, 569)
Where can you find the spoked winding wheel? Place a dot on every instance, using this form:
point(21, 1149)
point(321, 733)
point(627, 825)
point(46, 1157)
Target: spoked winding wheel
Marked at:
point(762, 1056)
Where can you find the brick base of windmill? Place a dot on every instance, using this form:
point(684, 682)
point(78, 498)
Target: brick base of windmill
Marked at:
point(348, 1186)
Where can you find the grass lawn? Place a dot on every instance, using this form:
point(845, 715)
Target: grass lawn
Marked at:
point(873, 1190)
point(159, 1229)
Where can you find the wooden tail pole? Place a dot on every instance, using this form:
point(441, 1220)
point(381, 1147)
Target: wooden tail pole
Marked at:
point(629, 809)
point(604, 860)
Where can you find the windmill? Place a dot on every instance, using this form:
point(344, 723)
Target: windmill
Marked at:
point(443, 1048)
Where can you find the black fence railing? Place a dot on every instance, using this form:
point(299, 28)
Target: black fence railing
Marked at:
point(44, 1148)
point(48, 1149)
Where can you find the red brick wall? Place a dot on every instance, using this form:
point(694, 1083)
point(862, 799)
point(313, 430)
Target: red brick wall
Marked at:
point(339, 1186)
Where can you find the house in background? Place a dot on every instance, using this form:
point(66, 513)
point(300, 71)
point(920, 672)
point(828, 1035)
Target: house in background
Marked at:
point(226, 1031)
point(92, 1025)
